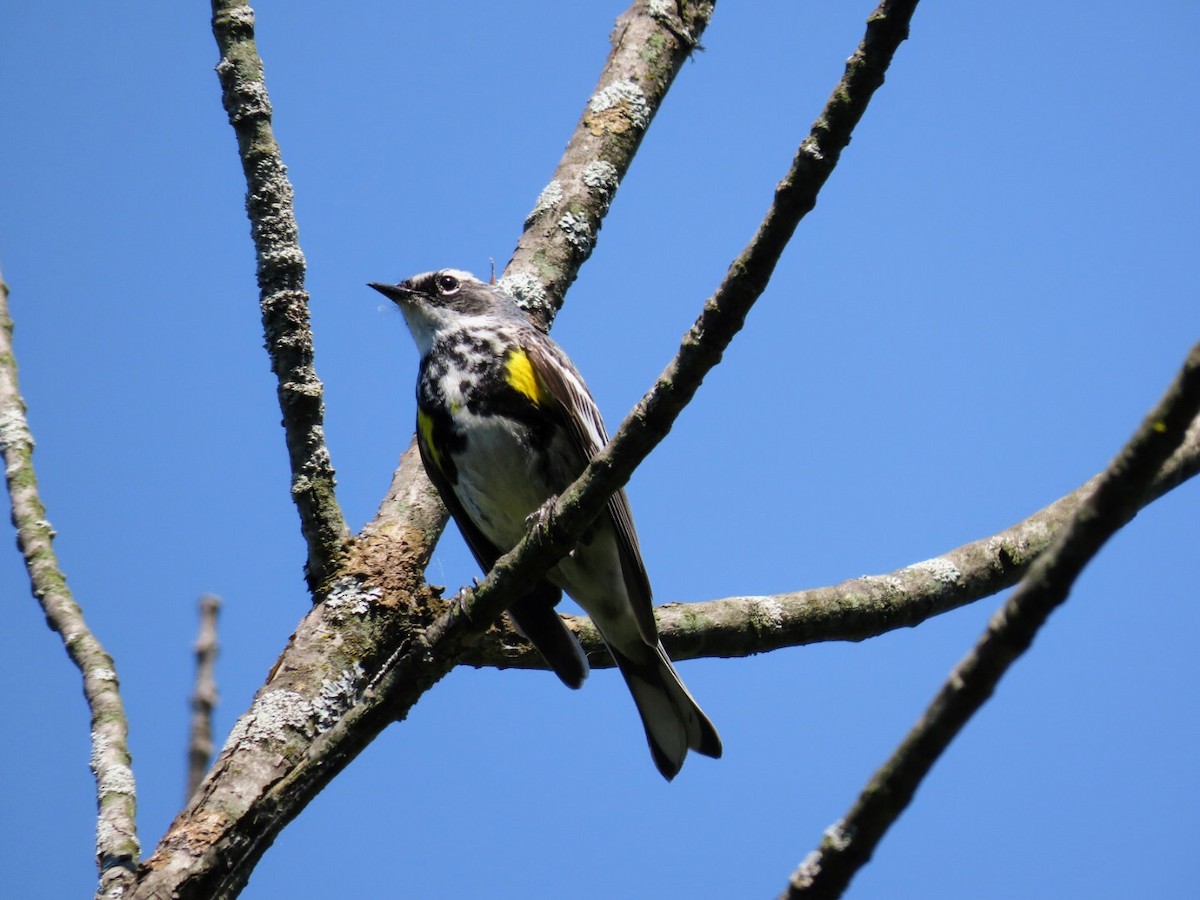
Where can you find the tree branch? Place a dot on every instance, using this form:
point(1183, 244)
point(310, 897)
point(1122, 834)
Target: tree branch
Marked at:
point(854, 610)
point(1114, 500)
point(204, 696)
point(117, 846)
point(283, 299)
point(650, 43)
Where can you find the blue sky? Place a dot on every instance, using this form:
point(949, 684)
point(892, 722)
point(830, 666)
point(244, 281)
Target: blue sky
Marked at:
point(997, 283)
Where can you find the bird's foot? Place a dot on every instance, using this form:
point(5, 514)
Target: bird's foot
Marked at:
point(541, 516)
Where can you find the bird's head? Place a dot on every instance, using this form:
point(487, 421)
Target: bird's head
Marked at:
point(441, 300)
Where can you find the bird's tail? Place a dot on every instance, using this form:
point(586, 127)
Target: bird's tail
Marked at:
point(673, 721)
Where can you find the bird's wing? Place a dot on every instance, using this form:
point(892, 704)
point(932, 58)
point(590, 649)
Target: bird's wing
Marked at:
point(441, 473)
point(565, 385)
point(534, 614)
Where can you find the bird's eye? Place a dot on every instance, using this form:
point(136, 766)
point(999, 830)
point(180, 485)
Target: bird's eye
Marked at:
point(447, 284)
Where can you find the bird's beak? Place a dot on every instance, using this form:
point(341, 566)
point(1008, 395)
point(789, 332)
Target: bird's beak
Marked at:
point(397, 293)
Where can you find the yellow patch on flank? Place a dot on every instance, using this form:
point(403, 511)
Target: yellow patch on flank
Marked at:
point(521, 375)
point(425, 430)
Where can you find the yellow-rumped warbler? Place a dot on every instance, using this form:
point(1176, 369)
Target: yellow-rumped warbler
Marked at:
point(504, 423)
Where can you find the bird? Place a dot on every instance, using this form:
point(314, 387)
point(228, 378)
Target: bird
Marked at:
point(505, 423)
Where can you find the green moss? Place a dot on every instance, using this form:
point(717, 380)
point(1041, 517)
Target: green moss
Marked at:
point(22, 478)
point(656, 54)
point(548, 269)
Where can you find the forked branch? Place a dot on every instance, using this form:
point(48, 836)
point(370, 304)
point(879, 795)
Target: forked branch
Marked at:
point(1114, 499)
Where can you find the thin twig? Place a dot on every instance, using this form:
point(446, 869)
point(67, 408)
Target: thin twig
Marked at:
point(204, 696)
point(854, 610)
point(1117, 495)
point(282, 296)
point(117, 847)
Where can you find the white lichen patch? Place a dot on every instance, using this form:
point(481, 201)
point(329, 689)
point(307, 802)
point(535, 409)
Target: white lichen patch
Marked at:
point(808, 871)
point(252, 97)
point(577, 231)
point(284, 255)
point(626, 95)
point(14, 431)
point(550, 197)
point(348, 596)
point(766, 612)
point(600, 177)
point(939, 569)
point(337, 695)
point(270, 718)
point(661, 10)
point(104, 675)
point(117, 779)
point(241, 17)
point(529, 293)
point(1036, 534)
point(112, 775)
point(838, 835)
point(837, 838)
point(100, 745)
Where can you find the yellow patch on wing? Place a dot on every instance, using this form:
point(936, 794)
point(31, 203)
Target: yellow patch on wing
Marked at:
point(425, 432)
point(523, 377)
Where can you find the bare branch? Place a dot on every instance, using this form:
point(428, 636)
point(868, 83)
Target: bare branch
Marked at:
point(650, 43)
point(853, 610)
point(1114, 500)
point(283, 299)
point(117, 846)
point(204, 697)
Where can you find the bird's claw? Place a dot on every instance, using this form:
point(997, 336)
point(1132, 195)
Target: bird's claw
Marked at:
point(542, 514)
